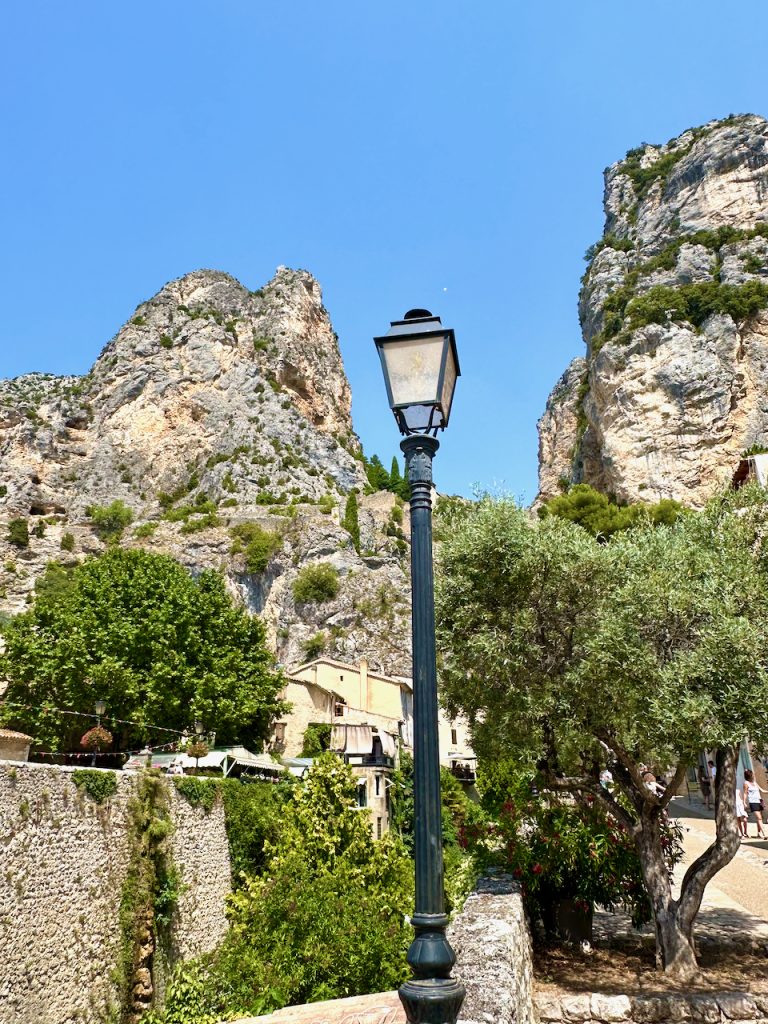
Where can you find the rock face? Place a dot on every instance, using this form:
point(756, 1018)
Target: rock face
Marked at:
point(213, 407)
point(674, 314)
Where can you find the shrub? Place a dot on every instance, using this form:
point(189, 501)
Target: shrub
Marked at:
point(99, 785)
point(165, 341)
point(109, 521)
point(3, 490)
point(205, 522)
point(258, 545)
point(145, 530)
point(314, 646)
point(316, 584)
point(68, 542)
point(18, 533)
point(196, 791)
point(327, 504)
point(317, 739)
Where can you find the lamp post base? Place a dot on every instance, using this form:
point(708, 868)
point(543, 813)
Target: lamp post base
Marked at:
point(432, 1000)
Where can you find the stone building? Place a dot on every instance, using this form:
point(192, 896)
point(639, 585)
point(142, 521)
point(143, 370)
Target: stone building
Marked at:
point(14, 746)
point(370, 718)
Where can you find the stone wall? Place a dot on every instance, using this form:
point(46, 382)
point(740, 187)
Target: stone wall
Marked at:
point(704, 1008)
point(493, 954)
point(63, 864)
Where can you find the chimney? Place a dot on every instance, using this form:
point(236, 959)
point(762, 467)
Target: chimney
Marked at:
point(364, 702)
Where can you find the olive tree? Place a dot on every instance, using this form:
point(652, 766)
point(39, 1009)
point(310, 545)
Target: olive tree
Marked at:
point(642, 650)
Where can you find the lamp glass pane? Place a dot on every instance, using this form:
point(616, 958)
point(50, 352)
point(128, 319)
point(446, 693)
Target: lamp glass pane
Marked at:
point(449, 382)
point(413, 368)
point(417, 418)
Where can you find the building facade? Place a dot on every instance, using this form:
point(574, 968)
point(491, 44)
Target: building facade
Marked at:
point(367, 718)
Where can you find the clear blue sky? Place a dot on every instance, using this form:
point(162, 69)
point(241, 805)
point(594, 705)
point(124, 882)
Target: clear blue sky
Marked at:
point(442, 154)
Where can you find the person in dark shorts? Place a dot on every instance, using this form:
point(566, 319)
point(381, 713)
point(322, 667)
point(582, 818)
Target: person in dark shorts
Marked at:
point(753, 800)
point(705, 785)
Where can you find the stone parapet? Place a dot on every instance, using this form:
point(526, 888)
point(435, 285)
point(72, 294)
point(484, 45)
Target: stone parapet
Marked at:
point(673, 1008)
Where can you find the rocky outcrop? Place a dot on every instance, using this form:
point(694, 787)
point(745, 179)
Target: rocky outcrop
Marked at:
point(214, 406)
point(674, 314)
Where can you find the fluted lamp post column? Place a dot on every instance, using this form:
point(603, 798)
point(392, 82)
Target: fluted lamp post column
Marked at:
point(420, 364)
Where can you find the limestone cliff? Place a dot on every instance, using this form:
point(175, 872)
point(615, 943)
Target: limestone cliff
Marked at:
point(212, 407)
point(674, 314)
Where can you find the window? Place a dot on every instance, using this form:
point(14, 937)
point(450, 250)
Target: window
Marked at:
point(279, 732)
point(454, 737)
point(339, 707)
point(362, 794)
point(378, 785)
point(378, 828)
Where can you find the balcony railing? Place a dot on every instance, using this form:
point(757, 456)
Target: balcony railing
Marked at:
point(370, 760)
point(463, 772)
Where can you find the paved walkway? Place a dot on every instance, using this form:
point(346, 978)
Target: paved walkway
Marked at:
point(734, 911)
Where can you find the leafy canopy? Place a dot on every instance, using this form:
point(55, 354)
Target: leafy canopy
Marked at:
point(159, 647)
point(600, 516)
point(654, 643)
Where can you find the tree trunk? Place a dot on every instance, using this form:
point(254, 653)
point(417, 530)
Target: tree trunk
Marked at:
point(726, 843)
point(674, 946)
point(674, 919)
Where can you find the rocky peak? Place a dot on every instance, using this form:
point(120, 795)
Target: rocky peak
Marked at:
point(214, 407)
point(673, 314)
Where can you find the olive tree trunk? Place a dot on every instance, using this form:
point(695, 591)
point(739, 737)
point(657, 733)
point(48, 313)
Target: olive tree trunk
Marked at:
point(674, 918)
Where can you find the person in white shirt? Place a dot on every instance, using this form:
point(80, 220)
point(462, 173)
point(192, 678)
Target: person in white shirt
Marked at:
point(753, 800)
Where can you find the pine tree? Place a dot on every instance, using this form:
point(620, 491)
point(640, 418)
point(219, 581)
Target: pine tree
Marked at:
point(398, 482)
point(378, 477)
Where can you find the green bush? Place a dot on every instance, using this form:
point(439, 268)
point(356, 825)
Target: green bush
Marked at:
point(145, 530)
point(18, 533)
point(314, 646)
point(316, 584)
point(99, 785)
point(258, 545)
point(68, 542)
point(253, 813)
point(205, 522)
point(327, 504)
point(588, 508)
point(317, 739)
point(197, 792)
point(109, 521)
point(3, 490)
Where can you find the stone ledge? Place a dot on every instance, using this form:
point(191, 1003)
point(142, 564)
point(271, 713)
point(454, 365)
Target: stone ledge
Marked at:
point(700, 1007)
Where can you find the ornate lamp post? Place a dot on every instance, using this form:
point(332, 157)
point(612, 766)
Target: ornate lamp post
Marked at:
point(420, 364)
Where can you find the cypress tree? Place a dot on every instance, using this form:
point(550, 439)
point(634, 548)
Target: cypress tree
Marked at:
point(351, 522)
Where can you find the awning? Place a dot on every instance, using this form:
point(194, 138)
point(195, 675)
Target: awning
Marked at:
point(359, 739)
point(339, 738)
point(388, 744)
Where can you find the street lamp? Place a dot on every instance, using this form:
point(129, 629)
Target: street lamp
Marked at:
point(420, 364)
point(99, 707)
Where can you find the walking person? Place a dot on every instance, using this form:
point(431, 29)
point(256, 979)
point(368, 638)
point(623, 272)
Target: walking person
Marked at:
point(753, 800)
point(741, 815)
point(705, 785)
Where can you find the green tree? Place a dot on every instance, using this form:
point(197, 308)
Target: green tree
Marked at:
point(652, 647)
point(160, 647)
point(589, 508)
point(325, 918)
point(398, 482)
point(378, 477)
point(257, 544)
point(351, 520)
